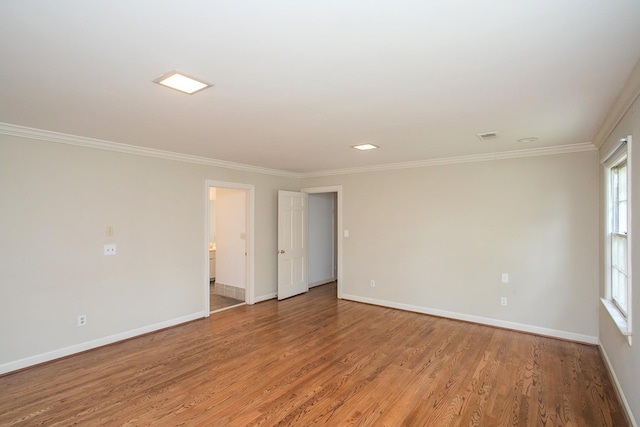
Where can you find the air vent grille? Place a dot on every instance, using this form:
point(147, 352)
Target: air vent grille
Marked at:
point(487, 136)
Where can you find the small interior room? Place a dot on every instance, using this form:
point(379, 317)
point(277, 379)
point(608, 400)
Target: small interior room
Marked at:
point(227, 248)
point(323, 266)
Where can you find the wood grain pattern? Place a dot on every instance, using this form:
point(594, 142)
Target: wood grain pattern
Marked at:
point(313, 359)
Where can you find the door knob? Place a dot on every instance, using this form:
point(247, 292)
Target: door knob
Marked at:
point(281, 251)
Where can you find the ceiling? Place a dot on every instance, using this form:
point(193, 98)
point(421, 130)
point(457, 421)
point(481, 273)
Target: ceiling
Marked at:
point(297, 83)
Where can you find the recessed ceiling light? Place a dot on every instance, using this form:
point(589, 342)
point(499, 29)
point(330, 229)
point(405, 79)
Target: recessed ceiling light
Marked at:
point(530, 139)
point(363, 147)
point(181, 82)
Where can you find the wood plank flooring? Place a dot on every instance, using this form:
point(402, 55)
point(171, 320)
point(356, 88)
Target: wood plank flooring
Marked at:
point(313, 359)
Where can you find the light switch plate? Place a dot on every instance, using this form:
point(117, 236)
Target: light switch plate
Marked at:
point(110, 249)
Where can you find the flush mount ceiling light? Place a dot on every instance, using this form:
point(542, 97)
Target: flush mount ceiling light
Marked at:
point(363, 147)
point(530, 139)
point(181, 82)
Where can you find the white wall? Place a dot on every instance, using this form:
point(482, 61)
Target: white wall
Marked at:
point(56, 202)
point(624, 358)
point(231, 245)
point(321, 238)
point(436, 239)
point(212, 215)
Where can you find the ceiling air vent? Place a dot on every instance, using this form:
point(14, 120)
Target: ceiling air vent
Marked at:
point(487, 136)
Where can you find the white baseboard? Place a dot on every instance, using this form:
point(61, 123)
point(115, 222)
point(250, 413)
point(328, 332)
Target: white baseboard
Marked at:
point(78, 348)
point(587, 339)
point(625, 403)
point(265, 297)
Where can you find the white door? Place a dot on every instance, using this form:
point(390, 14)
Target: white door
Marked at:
point(292, 244)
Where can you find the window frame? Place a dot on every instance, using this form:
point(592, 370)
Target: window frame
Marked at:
point(620, 157)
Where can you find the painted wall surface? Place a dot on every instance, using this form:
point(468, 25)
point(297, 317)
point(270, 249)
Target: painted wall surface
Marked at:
point(625, 358)
point(321, 238)
point(212, 215)
point(440, 237)
point(56, 203)
point(212, 221)
point(231, 214)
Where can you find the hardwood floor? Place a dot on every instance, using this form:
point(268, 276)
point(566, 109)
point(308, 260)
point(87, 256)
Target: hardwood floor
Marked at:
point(313, 359)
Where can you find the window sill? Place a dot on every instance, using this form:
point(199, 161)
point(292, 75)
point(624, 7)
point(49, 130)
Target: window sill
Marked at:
point(617, 317)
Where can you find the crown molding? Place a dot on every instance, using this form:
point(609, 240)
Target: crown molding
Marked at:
point(63, 138)
point(630, 91)
point(530, 152)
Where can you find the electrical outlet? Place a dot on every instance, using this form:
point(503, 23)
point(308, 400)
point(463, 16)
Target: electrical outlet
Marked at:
point(503, 301)
point(110, 249)
point(82, 320)
point(372, 283)
point(505, 277)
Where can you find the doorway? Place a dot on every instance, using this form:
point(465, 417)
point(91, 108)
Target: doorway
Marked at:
point(229, 236)
point(325, 250)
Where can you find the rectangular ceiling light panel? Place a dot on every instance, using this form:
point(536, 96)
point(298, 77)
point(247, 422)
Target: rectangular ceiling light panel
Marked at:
point(181, 82)
point(363, 147)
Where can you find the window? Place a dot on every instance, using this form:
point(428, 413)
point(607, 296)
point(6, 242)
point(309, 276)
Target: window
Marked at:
point(618, 240)
point(619, 231)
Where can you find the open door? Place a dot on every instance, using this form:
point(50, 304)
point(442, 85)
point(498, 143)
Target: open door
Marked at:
point(292, 244)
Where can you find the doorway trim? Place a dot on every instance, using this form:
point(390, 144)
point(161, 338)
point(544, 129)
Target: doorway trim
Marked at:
point(338, 190)
point(250, 227)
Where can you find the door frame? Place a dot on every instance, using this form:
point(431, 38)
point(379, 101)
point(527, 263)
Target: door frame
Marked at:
point(338, 190)
point(250, 230)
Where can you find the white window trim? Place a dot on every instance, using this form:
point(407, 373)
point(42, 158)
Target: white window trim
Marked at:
point(622, 151)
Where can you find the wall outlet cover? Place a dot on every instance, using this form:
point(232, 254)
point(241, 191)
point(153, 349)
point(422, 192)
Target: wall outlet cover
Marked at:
point(82, 320)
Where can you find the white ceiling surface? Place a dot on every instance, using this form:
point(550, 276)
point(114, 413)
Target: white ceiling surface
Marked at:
point(298, 82)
